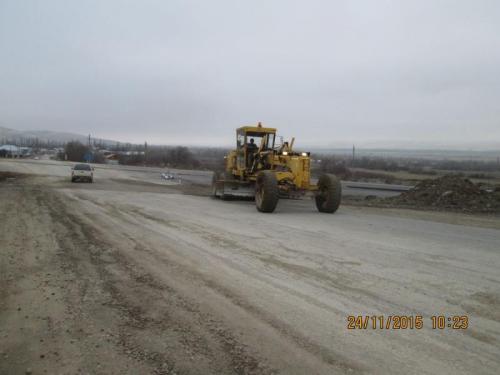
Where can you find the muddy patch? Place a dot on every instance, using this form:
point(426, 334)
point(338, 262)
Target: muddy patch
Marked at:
point(11, 176)
point(484, 304)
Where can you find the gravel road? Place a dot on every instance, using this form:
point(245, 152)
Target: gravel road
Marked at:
point(123, 276)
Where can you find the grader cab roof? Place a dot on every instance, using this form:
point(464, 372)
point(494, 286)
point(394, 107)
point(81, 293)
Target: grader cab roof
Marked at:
point(255, 130)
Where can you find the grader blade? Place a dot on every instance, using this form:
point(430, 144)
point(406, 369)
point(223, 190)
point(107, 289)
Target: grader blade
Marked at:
point(233, 189)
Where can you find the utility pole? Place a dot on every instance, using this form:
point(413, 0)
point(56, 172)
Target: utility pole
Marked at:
point(89, 141)
point(353, 154)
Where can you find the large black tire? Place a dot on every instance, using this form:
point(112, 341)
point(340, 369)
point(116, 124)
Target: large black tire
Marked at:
point(329, 193)
point(266, 191)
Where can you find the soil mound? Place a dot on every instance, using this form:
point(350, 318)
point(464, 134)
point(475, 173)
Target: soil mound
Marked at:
point(5, 176)
point(450, 192)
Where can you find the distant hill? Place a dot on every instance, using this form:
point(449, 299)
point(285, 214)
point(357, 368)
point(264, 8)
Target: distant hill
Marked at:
point(13, 135)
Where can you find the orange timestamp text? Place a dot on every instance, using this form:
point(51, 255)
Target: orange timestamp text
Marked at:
point(406, 322)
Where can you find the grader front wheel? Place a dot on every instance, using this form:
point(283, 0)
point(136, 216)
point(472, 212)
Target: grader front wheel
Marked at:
point(329, 193)
point(266, 191)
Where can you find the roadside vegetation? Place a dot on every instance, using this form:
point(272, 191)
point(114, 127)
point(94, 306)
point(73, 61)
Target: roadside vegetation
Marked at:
point(390, 169)
point(405, 170)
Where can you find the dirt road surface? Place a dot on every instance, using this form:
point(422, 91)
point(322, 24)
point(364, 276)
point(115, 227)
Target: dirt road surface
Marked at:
point(124, 277)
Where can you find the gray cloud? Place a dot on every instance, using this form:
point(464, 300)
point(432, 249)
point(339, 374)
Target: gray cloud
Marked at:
point(328, 72)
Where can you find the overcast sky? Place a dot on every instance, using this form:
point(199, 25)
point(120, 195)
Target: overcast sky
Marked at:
point(331, 73)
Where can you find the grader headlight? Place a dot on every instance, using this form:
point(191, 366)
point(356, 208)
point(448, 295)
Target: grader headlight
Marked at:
point(285, 153)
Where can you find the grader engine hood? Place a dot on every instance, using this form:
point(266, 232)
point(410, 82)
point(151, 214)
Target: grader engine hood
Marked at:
point(299, 168)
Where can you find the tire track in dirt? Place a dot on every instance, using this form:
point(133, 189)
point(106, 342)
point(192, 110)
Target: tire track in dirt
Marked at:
point(129, 214)
point(240, 361)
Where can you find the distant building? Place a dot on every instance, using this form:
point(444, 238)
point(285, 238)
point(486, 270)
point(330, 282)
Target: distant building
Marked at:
point(26, 151)
point(12, 151)
point(129, 153)
point(112, 158)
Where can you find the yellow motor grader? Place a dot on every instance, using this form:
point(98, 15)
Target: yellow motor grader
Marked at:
point(259, 168)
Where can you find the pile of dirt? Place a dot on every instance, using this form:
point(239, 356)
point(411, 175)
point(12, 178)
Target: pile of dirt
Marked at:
point(6, 176)
point(450, 192)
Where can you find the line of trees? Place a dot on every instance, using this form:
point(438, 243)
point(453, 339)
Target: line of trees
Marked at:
point(175, 157)
point(331, 163)
point(77, 151)
point(162, 156)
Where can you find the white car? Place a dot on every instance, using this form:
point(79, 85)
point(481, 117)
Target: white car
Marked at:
point(167, 176)
point(82, 172)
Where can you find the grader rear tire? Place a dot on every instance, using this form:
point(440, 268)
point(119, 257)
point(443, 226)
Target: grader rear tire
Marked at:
point(266, 192)
point(329, 193)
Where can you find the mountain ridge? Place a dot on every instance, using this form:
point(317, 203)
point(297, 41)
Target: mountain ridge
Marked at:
point(8, 134)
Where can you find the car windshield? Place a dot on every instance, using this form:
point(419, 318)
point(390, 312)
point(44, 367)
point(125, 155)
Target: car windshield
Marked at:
point(82, 167)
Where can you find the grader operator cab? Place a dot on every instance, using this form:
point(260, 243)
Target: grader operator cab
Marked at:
point(259, 168)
